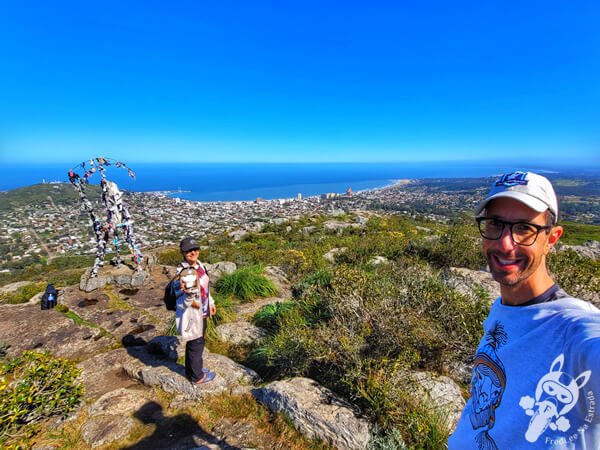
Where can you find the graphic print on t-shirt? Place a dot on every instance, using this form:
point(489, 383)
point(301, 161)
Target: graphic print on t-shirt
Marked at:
point(556, 393)
point(487, 386)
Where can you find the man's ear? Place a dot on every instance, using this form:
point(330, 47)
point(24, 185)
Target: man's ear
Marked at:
point(553, 237)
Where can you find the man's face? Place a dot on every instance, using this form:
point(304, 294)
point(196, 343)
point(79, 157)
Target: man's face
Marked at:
point(512, 264)
point(191, 256)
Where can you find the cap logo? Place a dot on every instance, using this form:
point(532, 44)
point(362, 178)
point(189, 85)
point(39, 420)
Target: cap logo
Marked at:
point(513, 179)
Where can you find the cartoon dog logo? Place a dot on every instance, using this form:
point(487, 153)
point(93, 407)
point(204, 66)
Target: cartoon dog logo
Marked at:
point(556, 394)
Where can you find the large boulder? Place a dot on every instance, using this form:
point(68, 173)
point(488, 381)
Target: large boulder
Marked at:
point(239, 333)
point(466, 281)
point(442, 393)
point(333, 253)
point(316, 412)
point(218, 269)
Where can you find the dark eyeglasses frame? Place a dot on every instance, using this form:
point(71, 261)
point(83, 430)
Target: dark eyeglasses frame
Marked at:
point(504, 223)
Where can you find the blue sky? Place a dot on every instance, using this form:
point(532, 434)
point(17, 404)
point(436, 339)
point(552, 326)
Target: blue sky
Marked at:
point(310, 81)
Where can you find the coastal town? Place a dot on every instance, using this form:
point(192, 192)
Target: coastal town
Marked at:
point(51, 222)
point(49, 227)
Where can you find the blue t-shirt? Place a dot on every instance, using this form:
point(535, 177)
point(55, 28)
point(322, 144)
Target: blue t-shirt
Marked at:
point(536, 379)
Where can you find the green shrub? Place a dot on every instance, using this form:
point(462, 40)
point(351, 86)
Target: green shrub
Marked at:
point(246, 284)
point(577, 233)
point(270, 316)
point(172, 328)
point(224, 306)
point(459, 245)
point(170, 257)
point(22, 294)
point(390, 440)
point(320, 278)
point(61, 271)
point(359, 332)
point(34, 387)
point(577, 275)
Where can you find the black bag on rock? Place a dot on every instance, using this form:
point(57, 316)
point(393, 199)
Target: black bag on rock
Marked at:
point(170, 297)
point(49, 297)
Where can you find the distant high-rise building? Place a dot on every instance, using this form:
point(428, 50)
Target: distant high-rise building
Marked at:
point(299, 197)
point(349, 192)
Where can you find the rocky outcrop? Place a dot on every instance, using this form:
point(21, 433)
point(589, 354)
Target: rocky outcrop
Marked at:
point(218, 269)
point(110, 417)
point(308, 229)
point(156, 371)
point(466, 281)
point(378, 260)
point(333, 253)
point(120, 382)
point(335, 226)
point(239, 333)
point(122, 276)
point(316, 412)
point(589, 249)
point(237, 235)
point(442, 393)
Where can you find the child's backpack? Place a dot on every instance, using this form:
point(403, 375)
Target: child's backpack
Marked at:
point(49, 297)
point(170, 297)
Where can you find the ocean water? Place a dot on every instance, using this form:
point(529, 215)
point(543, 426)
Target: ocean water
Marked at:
point(233, 182)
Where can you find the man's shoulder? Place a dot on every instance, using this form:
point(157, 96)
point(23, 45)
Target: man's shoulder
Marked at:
point(576, 304)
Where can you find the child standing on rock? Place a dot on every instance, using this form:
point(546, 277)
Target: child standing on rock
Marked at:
point(194, 305)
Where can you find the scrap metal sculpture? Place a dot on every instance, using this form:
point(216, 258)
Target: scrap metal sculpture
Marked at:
point(117, 221)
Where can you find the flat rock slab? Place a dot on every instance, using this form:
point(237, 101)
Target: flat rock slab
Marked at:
point(133, 320)
point(338, 227)
point(27, 327)
point(106, 428)
point(316, 412)
point(153, 370)
point(104, 373)
point(119, 402)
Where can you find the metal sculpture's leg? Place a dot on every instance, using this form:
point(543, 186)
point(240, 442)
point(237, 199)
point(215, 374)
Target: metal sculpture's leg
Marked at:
point(130, 238)
point(117, 260)
point(101, 238)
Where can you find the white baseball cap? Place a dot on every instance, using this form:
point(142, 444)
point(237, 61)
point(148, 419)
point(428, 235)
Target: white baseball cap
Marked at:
point(531, 189)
